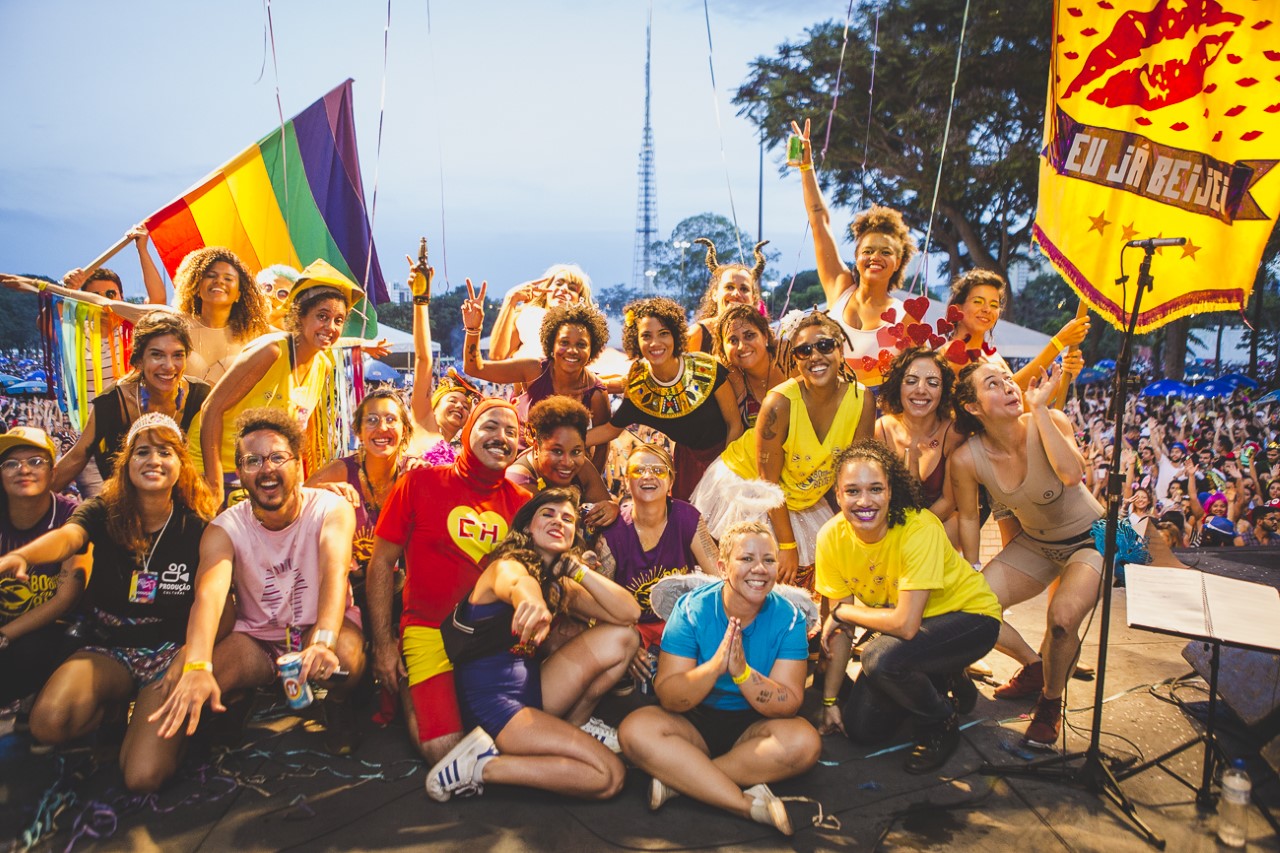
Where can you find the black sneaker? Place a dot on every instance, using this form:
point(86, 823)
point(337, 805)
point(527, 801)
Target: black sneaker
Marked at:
point(935, 744)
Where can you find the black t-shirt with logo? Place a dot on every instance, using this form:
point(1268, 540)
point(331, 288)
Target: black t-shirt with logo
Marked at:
point(161, 587)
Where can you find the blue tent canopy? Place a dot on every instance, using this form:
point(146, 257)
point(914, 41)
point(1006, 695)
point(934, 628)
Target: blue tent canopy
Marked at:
point(1237, 380)
point(1212, 388)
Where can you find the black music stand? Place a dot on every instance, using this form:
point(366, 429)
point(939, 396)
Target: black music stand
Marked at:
point(1164, 601)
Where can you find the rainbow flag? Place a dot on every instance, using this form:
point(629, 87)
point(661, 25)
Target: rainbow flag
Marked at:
point(292, 197)
point(1163, 121)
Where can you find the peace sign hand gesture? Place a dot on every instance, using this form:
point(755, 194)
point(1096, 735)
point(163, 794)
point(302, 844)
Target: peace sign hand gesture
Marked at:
point(473, 308)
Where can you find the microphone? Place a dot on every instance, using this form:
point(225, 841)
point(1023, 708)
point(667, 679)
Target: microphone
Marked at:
point(1156, 243)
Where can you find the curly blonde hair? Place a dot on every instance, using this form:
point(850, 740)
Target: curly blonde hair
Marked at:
point(889, 222)
point(250, 315)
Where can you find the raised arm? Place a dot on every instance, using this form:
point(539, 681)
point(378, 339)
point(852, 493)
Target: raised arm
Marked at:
point(1070, 335)
point(832, 270)
point(124, 310)
point(151, 280)
point(507, 371)
point(1056, 432)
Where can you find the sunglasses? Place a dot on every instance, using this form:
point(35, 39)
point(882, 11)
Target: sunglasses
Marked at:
point(826, 346)
point(659, 471)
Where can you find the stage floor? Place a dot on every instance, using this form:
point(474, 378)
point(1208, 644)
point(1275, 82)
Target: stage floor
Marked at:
point(277, 793)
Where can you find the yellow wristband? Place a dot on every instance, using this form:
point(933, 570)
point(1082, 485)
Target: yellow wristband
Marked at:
point(787, 546)
point(41, 285)
point(1059, 345)
point(806, 167)
point(746, 673)
point(828, 701)
point(579, 574)
point(197, 666)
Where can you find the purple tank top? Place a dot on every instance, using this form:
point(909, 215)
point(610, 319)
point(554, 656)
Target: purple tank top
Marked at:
point(542, 388)
point(366, 517)
point(637, 569)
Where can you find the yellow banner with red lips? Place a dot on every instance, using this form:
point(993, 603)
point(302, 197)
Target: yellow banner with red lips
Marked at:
point(1163, 121)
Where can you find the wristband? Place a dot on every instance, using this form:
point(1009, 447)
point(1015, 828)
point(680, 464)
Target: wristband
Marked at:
point(746, 673)
point(197, 666)
point(41, 285)
point(325, 637)
point(806, 167)
point(471, 331)
point(1059, 345)
point(422, 299)
point(787, 546)
point(579, 574)
point(828, 701)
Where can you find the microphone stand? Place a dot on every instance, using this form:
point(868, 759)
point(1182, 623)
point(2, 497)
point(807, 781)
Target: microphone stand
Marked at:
point(1095, 773)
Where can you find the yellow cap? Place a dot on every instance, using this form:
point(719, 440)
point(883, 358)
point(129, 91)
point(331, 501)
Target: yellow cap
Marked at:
point(320, 273)
point(25, 436)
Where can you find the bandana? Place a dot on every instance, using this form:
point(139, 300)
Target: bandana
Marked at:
point(468, 465)
point(454, 381)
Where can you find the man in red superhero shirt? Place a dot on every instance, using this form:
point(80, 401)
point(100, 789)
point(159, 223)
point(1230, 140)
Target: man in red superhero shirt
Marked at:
point(444, 521)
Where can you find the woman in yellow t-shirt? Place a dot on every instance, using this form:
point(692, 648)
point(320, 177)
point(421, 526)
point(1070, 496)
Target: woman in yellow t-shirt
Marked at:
point(885, 564)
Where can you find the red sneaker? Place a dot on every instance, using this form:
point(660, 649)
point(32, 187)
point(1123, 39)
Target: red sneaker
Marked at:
point(1028, 681)
point(1046, 724)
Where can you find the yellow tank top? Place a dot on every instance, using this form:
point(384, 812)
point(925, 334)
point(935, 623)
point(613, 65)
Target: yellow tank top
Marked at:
point(806, 470)
point(276, 389)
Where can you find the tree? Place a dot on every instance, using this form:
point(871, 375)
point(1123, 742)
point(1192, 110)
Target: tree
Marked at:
point(18, 327)
point(680, 264)
point(987, 198)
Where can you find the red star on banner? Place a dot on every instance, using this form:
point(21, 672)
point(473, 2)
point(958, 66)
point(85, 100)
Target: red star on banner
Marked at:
point(1189, 250)
point(1129, 232)
point(1100, 223)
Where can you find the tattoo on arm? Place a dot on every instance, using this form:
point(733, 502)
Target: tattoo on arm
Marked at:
point(705, 539)
point(769, 430)
point(764, 695)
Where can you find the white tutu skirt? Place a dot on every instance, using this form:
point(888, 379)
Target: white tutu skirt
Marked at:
point(724, 498)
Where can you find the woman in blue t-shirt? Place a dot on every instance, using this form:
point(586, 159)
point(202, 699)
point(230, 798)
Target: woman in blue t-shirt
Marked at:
point(730, 680)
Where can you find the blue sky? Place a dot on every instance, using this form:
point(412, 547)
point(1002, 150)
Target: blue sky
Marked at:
point(536, 109)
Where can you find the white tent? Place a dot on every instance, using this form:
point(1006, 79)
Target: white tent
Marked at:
point(402, 341)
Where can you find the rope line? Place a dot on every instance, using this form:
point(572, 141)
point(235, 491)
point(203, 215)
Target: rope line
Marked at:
point(377, 162)
point(871, 99)
point(284, 149)
point(724, 158)
point(942, 158)
point(444, 242)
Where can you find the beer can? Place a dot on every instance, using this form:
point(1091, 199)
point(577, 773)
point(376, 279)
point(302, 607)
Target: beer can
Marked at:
point(795, 150)
point(297, 692)
point(646, 686)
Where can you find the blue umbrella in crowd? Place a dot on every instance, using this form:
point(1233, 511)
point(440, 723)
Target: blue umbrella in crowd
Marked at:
point(376, 371)
point(7, 379)
point(37, 376)
point(1237, 380)
point(1106, 364)
point(27, 388)
point(1269, 397)
point(1166, 388)
point(1091, 376)
point(1212, 388)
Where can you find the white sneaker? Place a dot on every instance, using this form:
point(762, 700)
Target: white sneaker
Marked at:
point(456, 772)
point(603, 732)
point(659, 793)
point(769, 809)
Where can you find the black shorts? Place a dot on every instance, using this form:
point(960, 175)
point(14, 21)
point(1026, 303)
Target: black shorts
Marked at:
point(720, 728)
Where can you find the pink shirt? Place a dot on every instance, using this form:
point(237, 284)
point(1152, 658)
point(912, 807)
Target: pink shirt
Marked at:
point(277, 572)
